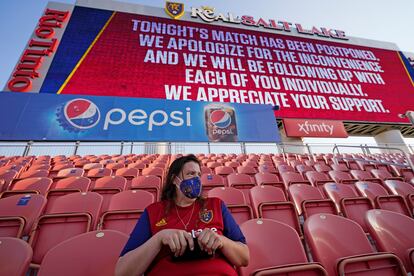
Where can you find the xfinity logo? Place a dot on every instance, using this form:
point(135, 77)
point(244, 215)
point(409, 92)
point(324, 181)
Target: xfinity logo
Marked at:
point(307, 127)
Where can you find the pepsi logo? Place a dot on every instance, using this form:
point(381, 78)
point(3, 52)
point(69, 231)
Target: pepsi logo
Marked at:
point(78, 114)
point(220, 118)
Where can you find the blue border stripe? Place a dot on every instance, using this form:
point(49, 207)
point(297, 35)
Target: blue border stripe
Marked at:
point(83, 27)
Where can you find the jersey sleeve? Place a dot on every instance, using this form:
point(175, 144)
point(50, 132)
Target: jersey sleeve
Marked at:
point(140, 234)
point(231, 228)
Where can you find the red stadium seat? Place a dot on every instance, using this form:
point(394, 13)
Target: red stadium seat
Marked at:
point(66, 186)
point(18, 213)
point(7, 176)
point(107, 186)
point(210, 181)
point(309, 200)
point(149, 183)
point(403, 189)
point(35, 185)
point(282, 168)
point(15, 256)
point(33, 173)
point(275, 249)
point(242, 182)
point(377, 194)
point(93, 253)
point(267, 168)
point(290, 178)
point(342, 247)
point(393, 232)
point(249, 170)
point(302, 169)
point(349, 203)
point(322, 168)
point(154, 171)
point(124, 210)
point(270, 202)
point(128, 174)
point(235, 201)
point(364, 176)
point(271, 179)
point(384, 175)
point(71, 215)
point(114, 166)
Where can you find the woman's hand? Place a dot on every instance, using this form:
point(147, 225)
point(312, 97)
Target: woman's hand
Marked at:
point(177, 240)
point(209, 240)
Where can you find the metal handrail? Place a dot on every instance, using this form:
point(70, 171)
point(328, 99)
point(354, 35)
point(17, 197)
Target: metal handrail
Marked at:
point(410, 162)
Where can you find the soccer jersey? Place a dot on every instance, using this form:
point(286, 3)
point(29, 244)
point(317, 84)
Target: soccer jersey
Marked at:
point(193, 219)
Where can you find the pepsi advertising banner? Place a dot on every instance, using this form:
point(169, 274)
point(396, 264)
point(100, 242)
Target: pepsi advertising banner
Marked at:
point(91, 118)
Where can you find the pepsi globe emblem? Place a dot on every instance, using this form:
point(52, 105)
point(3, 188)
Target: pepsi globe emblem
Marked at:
point(78, 114)
point(220, 123)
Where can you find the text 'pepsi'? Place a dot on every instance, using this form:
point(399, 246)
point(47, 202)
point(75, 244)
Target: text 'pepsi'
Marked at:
point(155, 118)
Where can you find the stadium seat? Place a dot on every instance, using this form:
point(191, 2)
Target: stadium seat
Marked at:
point(384, 175)
point(149, 183)
point(35, 185)
point(15, 256)
point(349, 203)
point(322, 168)
point(309, 200)
point(33, 173)
point(93, 253)
point(66, 186)
point(340, 167)
point(302, 169)
point(364, 176)
point(71, 215)
point(379, 195)
point(210, 181)
point(249, 170)
point(267, 168)
point(263, 178)
point(107, 186)
point(154, 171)
point(282, 168)
point(124, 210)
point(393, 232)
point(342, 247)
point(128, 174)
point(290, 178)
point(114, 166)
point(403, 189)
point(270, 202)
point(275, 249)
point(7, 177)
point(242, 182)
point(235, 201)
point(18, 213)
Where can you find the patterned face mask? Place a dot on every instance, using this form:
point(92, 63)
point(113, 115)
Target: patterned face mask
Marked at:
point(191, 188)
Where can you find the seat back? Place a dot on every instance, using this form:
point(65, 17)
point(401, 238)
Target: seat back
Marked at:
point(230, 195)
point(93, 253)
point(124, 209)
point(38, 184)
point(397, 187)
point(15, 256)
point(262, 236)
point(265, 194)
point(70, 215)
point(352, 253)
point(393, 232)
point(27, 207)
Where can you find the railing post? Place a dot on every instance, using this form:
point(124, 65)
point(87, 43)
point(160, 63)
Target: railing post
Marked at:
point(131, 148)
point(122, 148)
point(308, 148)
point(209, 147)
point(243, 147)
point(27, 148)
point(77, 144)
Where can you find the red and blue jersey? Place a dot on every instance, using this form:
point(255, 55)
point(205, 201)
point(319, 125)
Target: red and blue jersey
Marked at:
point(212, 214)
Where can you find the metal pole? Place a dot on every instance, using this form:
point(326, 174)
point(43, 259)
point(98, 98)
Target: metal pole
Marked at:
point(309, 149)
point(122, 147)
point(27, 148)
point(209, 148)
point(77, 144)
point(132, 147)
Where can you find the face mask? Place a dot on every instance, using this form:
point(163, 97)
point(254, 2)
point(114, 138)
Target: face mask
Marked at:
point(191, 188)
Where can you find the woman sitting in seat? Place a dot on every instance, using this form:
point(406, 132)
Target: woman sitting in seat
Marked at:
point(184, 233)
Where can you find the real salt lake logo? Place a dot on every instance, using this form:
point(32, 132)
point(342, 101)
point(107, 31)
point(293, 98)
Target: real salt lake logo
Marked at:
point(220, 118)
point(78, 115)
point(174, 9)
